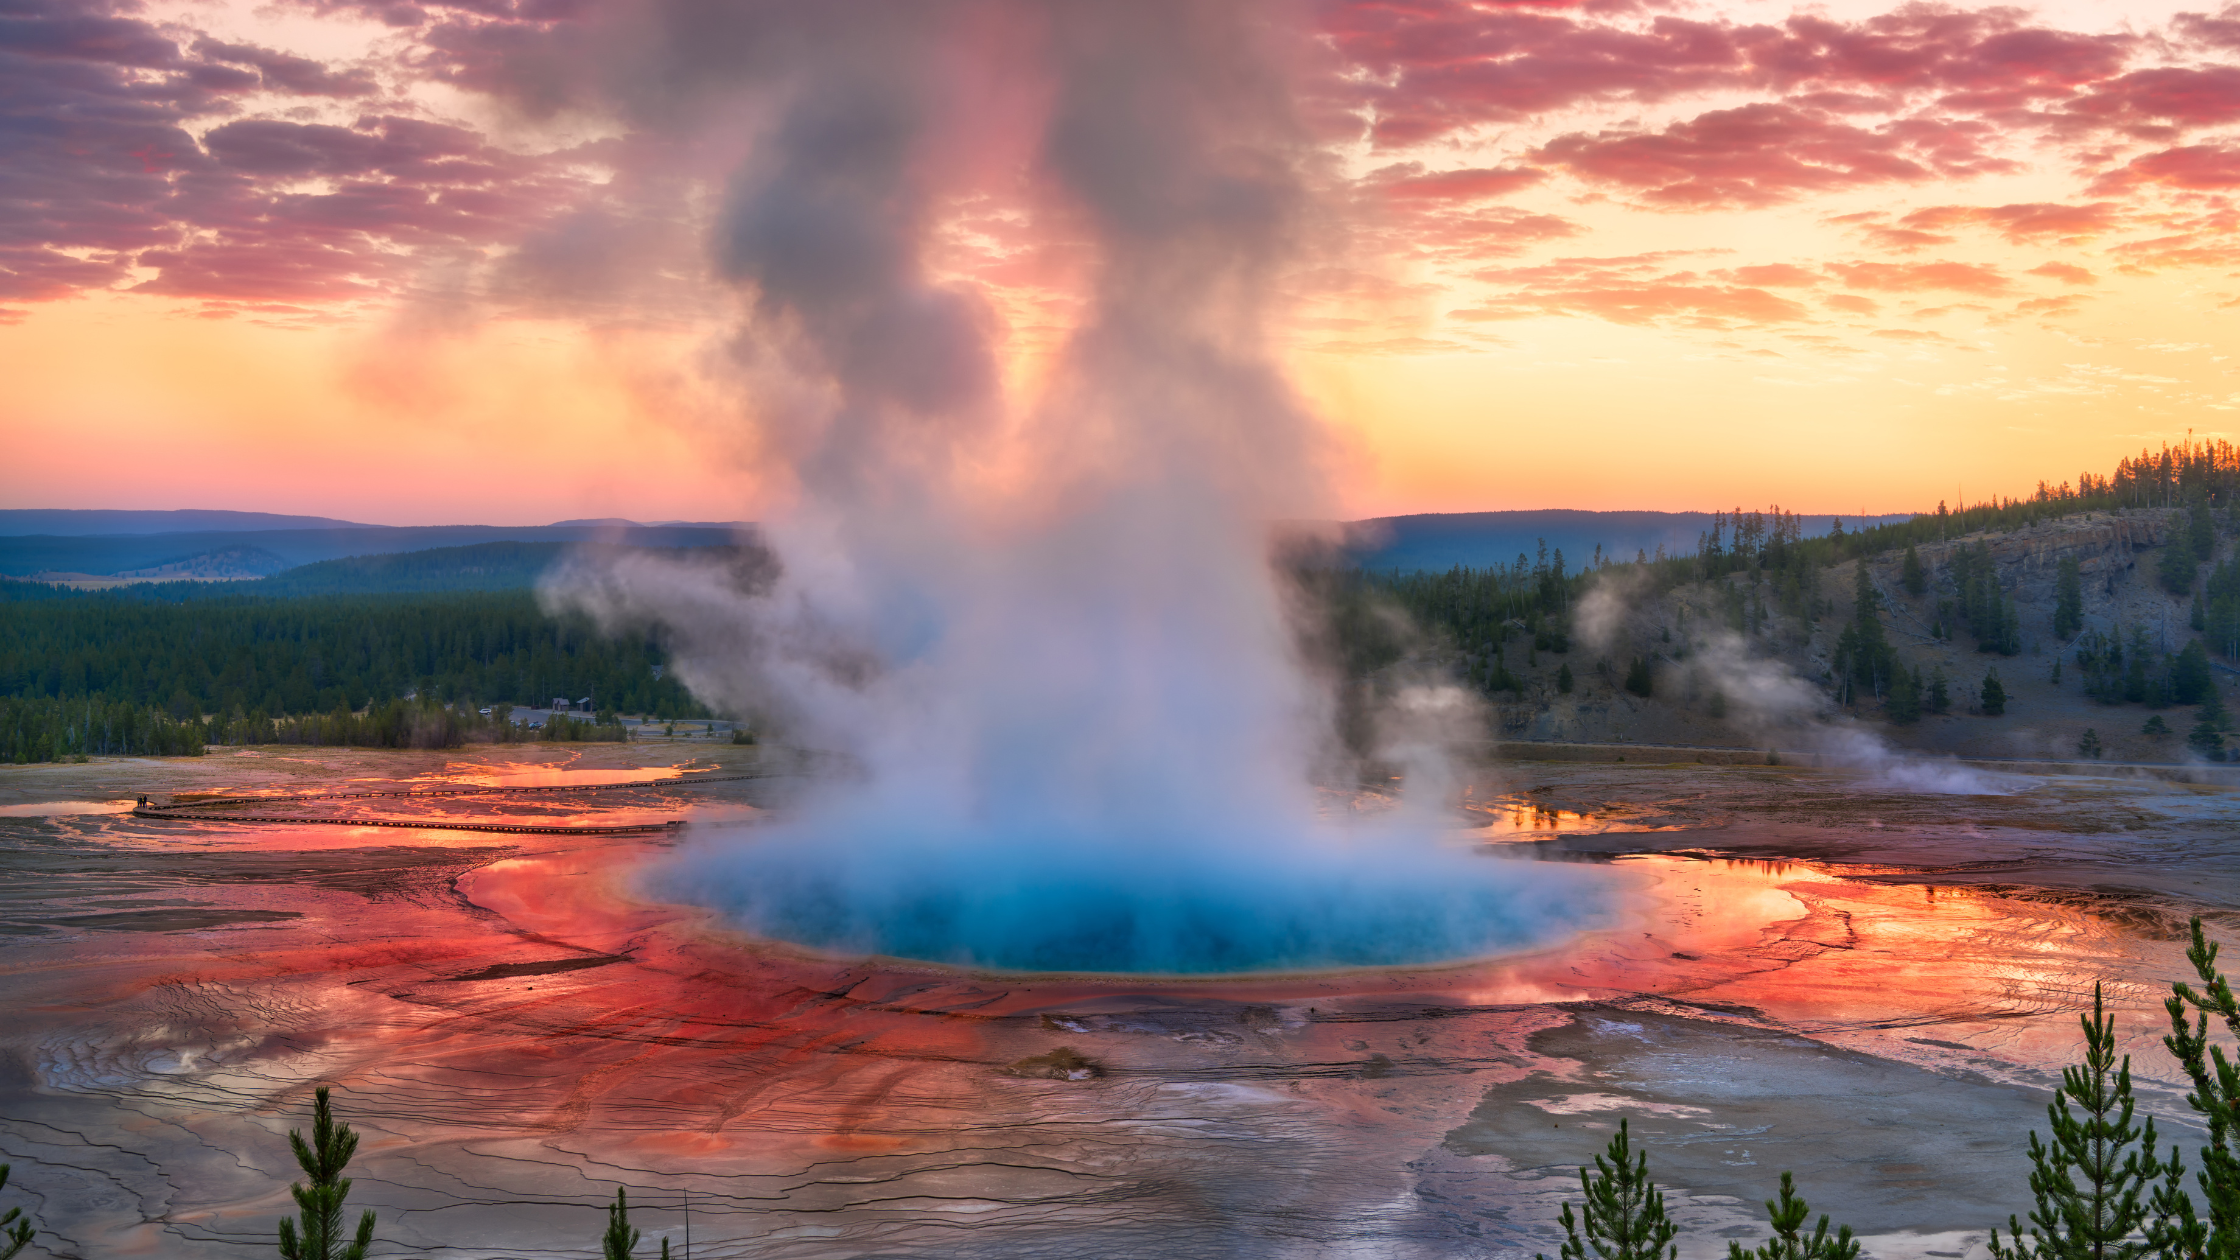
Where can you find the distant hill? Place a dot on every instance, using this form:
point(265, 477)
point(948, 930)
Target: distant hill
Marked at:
point(212, 545)
point(498, 566)
point(1477, 540)
point(108, 555)
point(74, 523)
point(228, 564)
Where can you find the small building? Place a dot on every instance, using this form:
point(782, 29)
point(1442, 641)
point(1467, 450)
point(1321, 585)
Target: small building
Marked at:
point(559, 704)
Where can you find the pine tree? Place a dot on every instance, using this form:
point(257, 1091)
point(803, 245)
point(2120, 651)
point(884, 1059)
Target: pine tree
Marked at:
point(1915, 579)
point(1789, 1242)
point(2191, 680)
point(1564, 681)
point(1624, 1211)
point(2206, 740)
point(319, 1236)
point(2088, 744)
point(15, 1231)
point(1638, 680)
point(2068, 601)
point(1870, 651)
point(1904, 707)
point(1940, 696)
point(620, 1240)
point(1994, 694)
point(2216, 1090)
point(2096, 1181)
point(2175, 572)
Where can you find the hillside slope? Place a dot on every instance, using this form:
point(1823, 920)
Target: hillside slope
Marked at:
point(1730, 667)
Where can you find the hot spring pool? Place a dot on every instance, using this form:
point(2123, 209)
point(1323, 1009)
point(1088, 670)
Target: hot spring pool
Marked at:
point(1158, 908)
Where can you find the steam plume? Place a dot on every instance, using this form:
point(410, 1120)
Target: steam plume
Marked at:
point(1050, 635)
point(1766, 698)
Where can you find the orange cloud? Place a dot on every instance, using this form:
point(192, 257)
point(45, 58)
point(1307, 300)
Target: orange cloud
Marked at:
point(1958, 277)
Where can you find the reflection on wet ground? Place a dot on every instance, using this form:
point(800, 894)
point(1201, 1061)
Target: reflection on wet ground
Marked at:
point(50, 809)
point(505, 778)
point(1513, 816)
point(1813, 972)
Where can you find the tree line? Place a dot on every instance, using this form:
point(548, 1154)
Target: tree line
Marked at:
point(33, 730)
point(238, 655)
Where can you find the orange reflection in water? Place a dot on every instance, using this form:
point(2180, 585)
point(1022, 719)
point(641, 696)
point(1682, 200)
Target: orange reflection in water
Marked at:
point(1520, 817)
point(510, 777)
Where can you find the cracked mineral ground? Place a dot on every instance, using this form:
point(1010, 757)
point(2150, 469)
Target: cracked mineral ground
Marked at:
point(1805, 970)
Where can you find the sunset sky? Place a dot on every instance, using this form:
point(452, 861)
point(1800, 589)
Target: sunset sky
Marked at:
point(392, 261)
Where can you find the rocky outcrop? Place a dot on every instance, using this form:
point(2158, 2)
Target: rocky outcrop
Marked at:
point(2106, 546)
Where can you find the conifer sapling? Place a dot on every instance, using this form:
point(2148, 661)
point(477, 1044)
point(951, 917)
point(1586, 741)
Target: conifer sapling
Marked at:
point(620, 1241)
point(1789, 1242)
point(2096, 1180)
point(317, 1234)
point(1624, 1211)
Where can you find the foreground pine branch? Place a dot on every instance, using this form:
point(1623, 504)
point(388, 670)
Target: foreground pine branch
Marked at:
point(2216, 1092)
point(15, 1231)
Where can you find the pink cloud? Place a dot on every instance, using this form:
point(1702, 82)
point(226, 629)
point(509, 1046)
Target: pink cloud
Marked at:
point(2066, 273)
point(2154, 101)
point(2221, 31)
point(1409, 182)
point(1902, 239)
point(1756, 155)
point(2197, 167)
point(100, 168)
point(1433, 68)
point(287, 73)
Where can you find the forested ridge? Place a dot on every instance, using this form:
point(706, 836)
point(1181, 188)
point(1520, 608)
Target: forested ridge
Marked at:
point(238, 655)
point(238, 662)
point(1763, 581)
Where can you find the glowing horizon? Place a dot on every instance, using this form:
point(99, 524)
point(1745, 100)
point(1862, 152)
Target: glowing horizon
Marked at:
point(360, 260)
